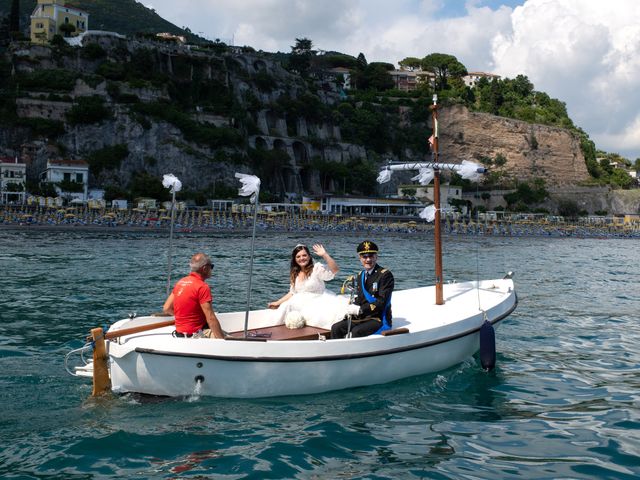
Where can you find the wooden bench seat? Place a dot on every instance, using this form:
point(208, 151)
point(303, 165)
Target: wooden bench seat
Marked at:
point(281, 332)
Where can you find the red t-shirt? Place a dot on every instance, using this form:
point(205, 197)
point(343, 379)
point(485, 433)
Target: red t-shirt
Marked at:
point(188, 294)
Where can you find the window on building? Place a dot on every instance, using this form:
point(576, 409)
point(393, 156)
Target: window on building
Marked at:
point(66, 19)
point(79, 177)
point(67, 177)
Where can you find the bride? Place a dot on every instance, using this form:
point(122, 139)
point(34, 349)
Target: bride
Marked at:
point(308, 302)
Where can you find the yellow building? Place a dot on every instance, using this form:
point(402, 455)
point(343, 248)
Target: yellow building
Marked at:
point(52, 17)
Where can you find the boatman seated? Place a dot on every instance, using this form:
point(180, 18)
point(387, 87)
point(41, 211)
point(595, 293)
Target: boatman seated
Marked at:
point(190, 302)
point(371, 309)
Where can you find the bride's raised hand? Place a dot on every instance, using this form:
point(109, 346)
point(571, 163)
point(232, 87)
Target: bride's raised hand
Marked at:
point(319, 250)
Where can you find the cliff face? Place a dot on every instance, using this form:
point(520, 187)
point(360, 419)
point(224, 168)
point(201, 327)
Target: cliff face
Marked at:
point(530, 150)
point(255, 85)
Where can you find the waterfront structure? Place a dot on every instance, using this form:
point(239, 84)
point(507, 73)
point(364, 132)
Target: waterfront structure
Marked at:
point(353, 205)
point(51, 17)
point(67, 173)
point(13, 175)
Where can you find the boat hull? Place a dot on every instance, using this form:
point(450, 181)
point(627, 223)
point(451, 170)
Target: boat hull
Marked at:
point(158, 364)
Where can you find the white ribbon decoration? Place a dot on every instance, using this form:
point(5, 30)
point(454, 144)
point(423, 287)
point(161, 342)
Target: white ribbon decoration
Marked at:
point(384, 176)
point(250, 185)
point(469, 170)
point(169, 180)
point(425, 176)
point(428, 213)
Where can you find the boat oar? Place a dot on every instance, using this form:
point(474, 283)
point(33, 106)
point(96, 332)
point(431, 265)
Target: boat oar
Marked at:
point(487, 346)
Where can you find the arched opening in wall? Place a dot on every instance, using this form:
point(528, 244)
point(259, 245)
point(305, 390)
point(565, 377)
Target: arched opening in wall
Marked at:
point(279, 145)
point(259, 66)
point(300, 153)
point(261, 143)
point(309, 180)
point(272, 120)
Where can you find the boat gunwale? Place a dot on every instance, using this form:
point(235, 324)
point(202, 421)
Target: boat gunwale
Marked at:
point(349, 356)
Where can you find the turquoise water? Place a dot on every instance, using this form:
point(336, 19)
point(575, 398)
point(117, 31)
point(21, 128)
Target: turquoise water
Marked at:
point(563, 402)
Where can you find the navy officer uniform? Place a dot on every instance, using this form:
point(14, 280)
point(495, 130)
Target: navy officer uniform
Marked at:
point(374, 286)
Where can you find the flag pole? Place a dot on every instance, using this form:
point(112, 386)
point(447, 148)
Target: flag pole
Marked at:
point(171, 181)
point(251, 186)
point(436, 201)
point(173, 214)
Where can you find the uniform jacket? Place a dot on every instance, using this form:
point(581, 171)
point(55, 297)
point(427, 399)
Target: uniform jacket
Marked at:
point(380, 284)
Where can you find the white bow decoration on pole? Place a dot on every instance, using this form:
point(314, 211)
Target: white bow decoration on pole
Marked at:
point(384, 176)
point(428, 213)
point(250, 186)
point(470, 170)
point(425, 176)
point(169, 180)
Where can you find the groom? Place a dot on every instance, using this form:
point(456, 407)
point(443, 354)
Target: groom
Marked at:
point(371, 309)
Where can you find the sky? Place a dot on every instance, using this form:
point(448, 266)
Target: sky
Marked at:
point(585, 53)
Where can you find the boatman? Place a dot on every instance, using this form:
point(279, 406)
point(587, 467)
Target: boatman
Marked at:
point(371, 309)
point(190, 302)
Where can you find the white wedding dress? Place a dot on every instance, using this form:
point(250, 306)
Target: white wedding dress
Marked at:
point(318, 306)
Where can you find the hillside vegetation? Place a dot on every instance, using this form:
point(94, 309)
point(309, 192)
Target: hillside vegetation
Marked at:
point(213, 79)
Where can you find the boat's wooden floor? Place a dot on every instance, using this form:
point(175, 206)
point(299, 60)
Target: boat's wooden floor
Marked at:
point(281, 332)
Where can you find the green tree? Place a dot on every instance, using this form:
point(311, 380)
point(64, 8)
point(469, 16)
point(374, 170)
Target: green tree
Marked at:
point(146, 185)
point(374, 76)
point(410, 63)
point(70, 186)
point(301, 55)
point(444, 67)
point(527, 194)
point(67, 29)
point(568, 208)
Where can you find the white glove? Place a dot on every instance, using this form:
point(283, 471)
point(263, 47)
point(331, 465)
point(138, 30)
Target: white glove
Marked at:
point(353, 309)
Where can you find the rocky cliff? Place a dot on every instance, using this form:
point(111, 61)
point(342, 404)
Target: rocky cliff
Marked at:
point(531, 151)
point(244, 100)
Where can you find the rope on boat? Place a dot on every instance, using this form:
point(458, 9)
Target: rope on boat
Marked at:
point(86, 347)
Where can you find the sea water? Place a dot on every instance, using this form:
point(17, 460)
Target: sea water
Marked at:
point(563, 401)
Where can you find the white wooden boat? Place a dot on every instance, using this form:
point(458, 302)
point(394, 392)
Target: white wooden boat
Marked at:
point(260, 359)
point(274, 360)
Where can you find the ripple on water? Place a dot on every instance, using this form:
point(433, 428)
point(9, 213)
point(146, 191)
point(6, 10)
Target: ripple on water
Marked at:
point(563, 401)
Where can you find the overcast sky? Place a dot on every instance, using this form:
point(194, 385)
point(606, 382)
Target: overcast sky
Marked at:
point(585, 53)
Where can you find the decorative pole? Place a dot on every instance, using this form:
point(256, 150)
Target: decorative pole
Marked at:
point(431, 171)
point(250, 186)
point(436, 201)
point(171, 181)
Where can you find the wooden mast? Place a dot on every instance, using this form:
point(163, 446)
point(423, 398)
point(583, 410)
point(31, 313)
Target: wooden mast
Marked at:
point(436, 202)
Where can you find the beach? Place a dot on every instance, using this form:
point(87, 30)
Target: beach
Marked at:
point(85, 219)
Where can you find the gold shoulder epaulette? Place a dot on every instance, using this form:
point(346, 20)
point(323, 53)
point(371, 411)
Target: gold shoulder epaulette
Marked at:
point(383, 270)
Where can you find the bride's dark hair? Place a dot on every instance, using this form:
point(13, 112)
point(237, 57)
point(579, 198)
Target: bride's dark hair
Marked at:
point(295, 268)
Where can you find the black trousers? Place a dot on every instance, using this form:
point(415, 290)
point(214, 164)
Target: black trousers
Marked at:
point(359, 327)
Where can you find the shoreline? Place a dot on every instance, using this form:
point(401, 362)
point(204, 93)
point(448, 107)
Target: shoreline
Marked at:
point(470, 229)
point(24, 218)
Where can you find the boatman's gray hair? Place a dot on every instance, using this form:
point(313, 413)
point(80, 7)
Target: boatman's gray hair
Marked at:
point(198, 261)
